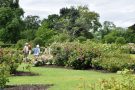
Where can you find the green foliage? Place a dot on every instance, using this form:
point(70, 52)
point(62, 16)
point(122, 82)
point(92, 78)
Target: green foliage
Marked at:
point(127, 82)
point(38, 41)
point(4, 73)
point(60, 54)
point(9, 3)
point(88, 19)
point(28, 34)
point(120, 40)
point(12, 59)
point(81, 39)
point(10, 21)
point(75, 55)
point(111, 33)
point(107, 28)
point(60, 38)
point(20, 43)
point(1, 43)
point(110, 57)
point(131, 47)
point(80, 62)
point(114, 62)
point(132, 28)
point(51, 21)
point(109, 39)
point(32, 22)
point(45, 34)
point(75, 22)
point(31, 25)
point(129, 36)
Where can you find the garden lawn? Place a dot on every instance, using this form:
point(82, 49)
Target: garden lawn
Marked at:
point(62, 79)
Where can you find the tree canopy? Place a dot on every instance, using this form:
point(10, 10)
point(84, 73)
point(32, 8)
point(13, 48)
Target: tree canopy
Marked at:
point(74, 23)
point(10, 20)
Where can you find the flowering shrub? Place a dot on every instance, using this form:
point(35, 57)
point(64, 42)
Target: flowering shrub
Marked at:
point(110, 57)
point(4, 73)
point(60, 54)
point(9, 62)
point(114, 61)
point(11, 58)
point(126, 83)
point(75, 55)
point(131, 47)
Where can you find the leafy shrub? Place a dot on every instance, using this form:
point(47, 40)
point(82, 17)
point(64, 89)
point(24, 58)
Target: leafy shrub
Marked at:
point(114, 61)
point(38, 40)
point(131, 47)
point(1, 43)
point(74, 55)
point(61, 59)
point(126, 83)
point(60, 55)
point(110, 57)
point(4, 73)
point(113, 58)
point(28, 34)
point(11, 58)
point(109, 39)
point(9, 62)
point(81, 39)
point(80, 62)
point(60, 37)
point(120, 40)
point(20, 43)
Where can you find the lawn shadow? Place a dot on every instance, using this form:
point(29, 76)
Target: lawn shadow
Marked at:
point(23, 73)
point(28, 87)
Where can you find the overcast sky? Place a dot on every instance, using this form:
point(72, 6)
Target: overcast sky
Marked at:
point(121, 12)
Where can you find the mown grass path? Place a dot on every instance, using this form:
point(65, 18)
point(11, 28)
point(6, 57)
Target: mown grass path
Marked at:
point(63, 79)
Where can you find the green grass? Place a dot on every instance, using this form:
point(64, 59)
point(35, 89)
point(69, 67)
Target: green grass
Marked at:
point(63, 79)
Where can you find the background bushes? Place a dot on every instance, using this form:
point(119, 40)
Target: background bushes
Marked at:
point(74, 55)
point(38, 41)
point(20, 44)
point(110, 57)
point(120, 40)
point(114, 62)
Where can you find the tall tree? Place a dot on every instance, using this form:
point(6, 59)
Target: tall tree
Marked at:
point(130, 34)
point(32, 22)
point(10, 20)
point(73, 21)
point(107, 27)
point(79, 21)
point(132, 28)
point(87, 22)
point(31, 25)
point(51, 21)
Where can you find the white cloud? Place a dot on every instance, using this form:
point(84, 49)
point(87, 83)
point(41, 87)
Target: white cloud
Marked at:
point(121, 12)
